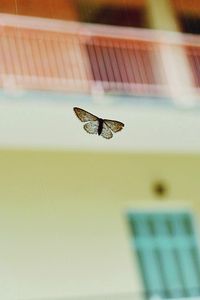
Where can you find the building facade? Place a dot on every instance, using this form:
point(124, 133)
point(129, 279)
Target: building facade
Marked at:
point(83, 217)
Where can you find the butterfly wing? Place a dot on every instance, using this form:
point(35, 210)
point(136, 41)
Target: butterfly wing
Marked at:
point(115, 126)
point(91, 127)
point(84, 115)
point(106, 131)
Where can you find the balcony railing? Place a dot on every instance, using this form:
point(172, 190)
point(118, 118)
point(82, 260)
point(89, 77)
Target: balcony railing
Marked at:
point(58, 55)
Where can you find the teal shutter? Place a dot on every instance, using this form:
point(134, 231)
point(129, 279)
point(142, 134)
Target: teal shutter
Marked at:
point(167, 252)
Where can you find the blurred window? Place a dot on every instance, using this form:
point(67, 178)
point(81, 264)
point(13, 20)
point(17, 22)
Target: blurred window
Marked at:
point(188, 15)
point(168, 253)
point(189, 23)
point(121, 16)
point(129, 13)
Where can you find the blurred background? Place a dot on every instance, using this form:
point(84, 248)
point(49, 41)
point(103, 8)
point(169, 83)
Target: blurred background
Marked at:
point(82, 217)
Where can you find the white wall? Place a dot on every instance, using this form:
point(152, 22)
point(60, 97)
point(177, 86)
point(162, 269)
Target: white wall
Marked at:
point(44, 123)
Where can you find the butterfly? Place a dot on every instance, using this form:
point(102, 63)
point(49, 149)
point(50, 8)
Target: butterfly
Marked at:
point(95, 125)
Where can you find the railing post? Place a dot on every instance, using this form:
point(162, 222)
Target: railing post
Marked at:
point(178, 73)
point(175, 62)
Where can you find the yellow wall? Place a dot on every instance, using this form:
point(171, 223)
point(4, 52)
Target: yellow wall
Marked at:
point(161, 15)
point(62, 218)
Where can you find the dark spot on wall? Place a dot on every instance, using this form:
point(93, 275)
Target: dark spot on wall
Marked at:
point(160, 189)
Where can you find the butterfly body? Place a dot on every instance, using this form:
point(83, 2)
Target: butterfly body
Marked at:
point(100, 127)
point(96, 125)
